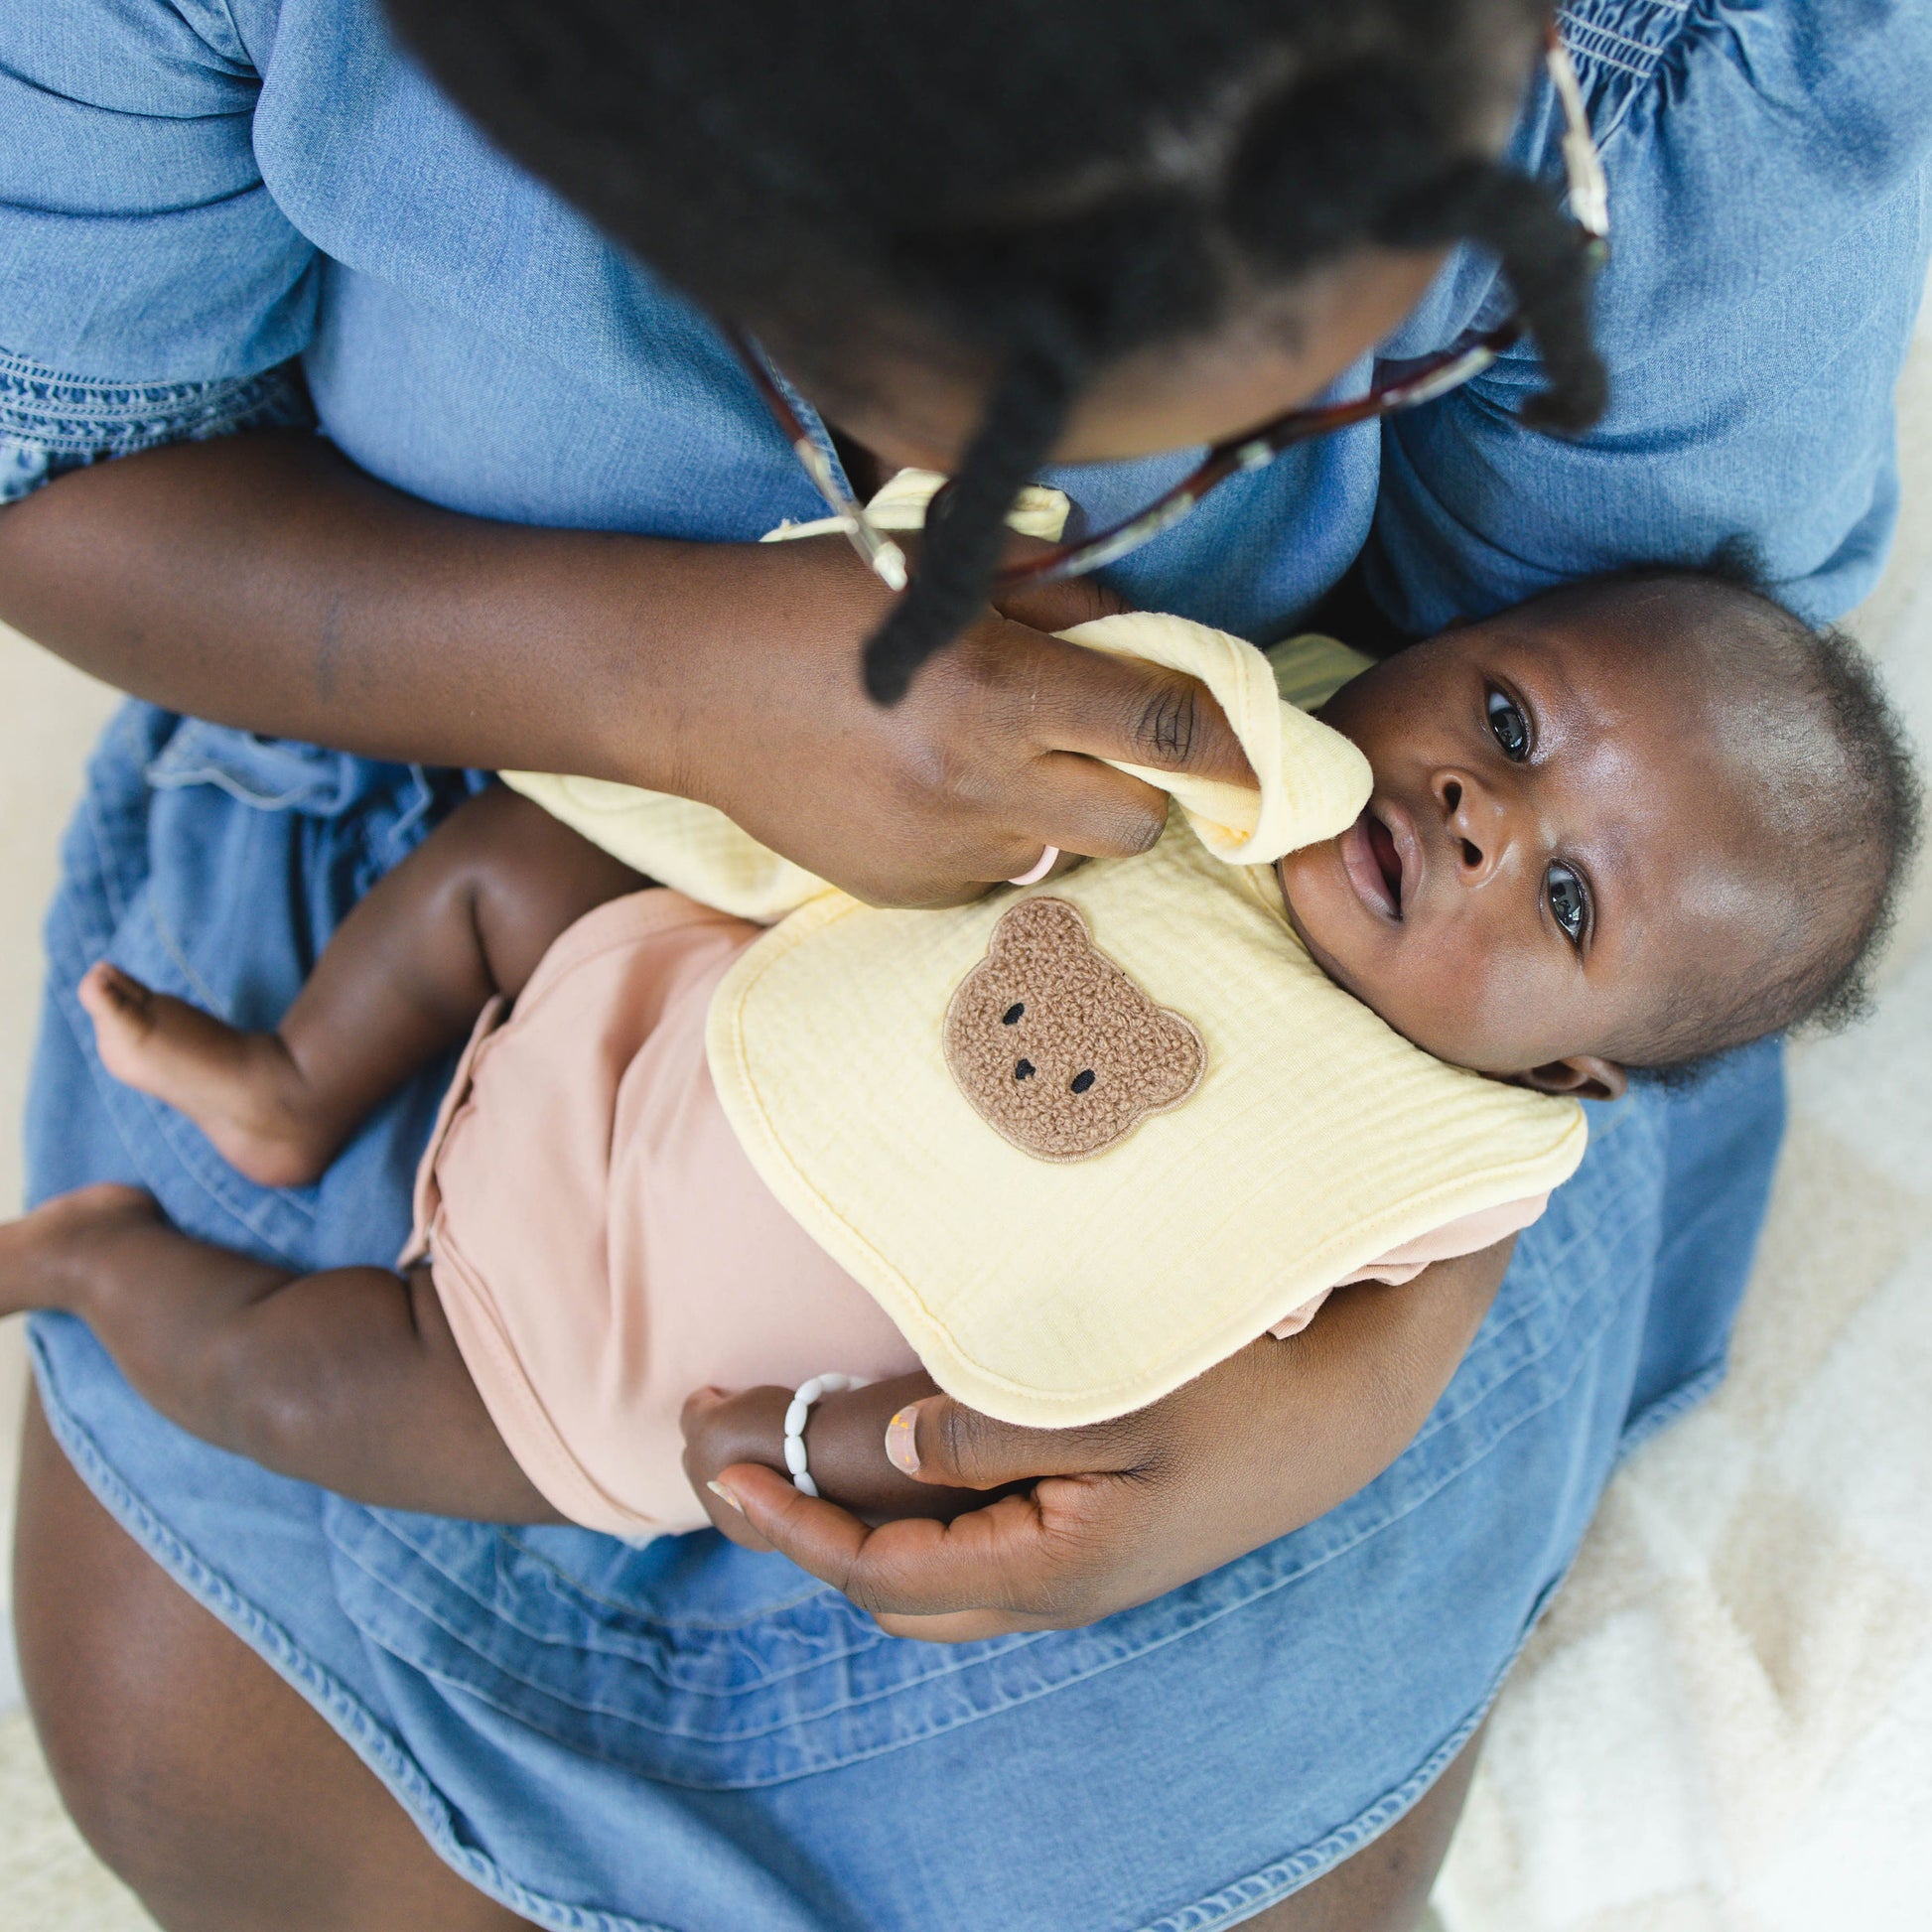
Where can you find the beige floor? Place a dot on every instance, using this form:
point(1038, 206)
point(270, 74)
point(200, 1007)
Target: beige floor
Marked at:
point(1599, 1753)
point(48, 716)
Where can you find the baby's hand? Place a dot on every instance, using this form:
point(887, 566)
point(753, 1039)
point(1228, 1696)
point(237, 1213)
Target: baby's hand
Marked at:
point(845, 1444)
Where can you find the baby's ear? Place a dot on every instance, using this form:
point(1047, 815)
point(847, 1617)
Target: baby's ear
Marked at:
point(1582, 1077)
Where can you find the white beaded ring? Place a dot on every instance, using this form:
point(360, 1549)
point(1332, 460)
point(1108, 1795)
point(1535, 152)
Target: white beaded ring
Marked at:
point(796, 1419)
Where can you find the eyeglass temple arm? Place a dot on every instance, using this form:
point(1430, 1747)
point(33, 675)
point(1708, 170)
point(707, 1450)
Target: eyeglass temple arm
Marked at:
point(881, 555)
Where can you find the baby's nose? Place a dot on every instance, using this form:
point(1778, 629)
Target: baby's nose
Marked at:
point(1472, 818)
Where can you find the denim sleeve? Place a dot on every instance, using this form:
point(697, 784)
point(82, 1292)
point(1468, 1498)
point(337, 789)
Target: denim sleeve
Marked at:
point(150, 288)
point(1771, 206)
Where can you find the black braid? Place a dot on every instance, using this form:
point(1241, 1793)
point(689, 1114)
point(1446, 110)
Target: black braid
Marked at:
point(1036, 191)
point(1096, 309)
point(1546, 261)
point(966, 535)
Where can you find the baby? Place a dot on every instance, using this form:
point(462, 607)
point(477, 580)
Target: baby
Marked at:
point(1629, 825)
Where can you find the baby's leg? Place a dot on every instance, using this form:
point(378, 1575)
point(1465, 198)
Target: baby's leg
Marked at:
point(466, 915)
point(350, 1379)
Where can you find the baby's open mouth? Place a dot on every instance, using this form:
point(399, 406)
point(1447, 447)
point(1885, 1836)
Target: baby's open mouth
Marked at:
point(1382, 844)
point(1374, 864)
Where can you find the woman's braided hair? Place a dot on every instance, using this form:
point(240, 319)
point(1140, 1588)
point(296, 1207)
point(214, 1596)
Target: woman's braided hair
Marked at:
point(1039, 189)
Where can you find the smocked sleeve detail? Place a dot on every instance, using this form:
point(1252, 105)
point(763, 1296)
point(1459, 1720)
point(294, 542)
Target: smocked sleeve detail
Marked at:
point(51, 422)
point(1770, 176)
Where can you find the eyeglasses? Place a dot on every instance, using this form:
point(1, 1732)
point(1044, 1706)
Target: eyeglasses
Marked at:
point(1403, 386)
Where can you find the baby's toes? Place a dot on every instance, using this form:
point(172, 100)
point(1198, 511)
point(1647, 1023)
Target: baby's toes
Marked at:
point(114, 999)
point(130, 1032)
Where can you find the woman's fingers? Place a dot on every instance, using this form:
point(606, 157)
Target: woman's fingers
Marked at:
point(1083, 806)
point(941, 1441)
point(997, 752)
point(1025, 1557)
point(730, 1521)
point(1123, 709)
point(956, 1626)
point(1060, 605)
point(1114, 1514)
point(720, 1427)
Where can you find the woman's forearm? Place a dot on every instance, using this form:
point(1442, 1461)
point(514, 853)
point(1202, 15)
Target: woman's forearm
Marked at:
point(1349, 1392)
point(262, 581)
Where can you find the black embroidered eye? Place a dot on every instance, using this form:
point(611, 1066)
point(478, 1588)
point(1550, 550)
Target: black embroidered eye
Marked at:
point(1010, 1017)
point(1511, 728)
point(1082, 1082)
point(1568, 901)
point(1024, 1071)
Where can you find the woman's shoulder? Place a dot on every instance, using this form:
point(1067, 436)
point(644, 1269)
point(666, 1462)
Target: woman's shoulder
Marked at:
point(1852, 75)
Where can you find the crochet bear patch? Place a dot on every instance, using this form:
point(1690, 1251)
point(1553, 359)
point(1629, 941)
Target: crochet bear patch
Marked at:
point(1058, 1049)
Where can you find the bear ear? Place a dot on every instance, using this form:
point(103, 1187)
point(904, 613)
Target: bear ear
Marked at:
point(1051, 922)
point(1183, 1063)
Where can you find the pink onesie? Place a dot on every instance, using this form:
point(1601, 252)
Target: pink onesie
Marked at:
point(603, 1247)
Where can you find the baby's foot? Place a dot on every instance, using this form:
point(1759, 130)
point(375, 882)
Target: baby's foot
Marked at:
point(240, 1089)
point(43, 1254)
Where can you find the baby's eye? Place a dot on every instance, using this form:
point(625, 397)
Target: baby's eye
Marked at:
point(1568, 901)
point(1511, 728)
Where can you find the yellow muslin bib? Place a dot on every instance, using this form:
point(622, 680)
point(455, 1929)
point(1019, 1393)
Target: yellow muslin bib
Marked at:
point(1084, 1140)
point(1048, 1282)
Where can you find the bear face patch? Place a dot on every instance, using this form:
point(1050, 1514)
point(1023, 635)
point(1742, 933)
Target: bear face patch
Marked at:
point(1058, 1049)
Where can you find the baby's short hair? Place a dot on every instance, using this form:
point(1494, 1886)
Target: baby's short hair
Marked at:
point(1813, 692)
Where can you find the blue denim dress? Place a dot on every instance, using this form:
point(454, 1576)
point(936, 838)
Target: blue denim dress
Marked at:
point(195, 194)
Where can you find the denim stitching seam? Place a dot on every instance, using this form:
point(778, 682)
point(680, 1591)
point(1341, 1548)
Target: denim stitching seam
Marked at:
point(949, 1664)
point(1303, 1868)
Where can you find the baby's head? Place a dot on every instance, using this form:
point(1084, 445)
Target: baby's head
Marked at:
point(1631, 824)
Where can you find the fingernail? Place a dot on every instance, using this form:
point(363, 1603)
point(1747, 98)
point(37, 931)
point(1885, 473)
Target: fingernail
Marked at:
point(724, 1495)
point(902, 1441)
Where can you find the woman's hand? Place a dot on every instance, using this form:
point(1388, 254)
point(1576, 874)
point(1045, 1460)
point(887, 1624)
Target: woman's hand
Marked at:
point(994, 755)
point(1119, 1513)
point(261, 581)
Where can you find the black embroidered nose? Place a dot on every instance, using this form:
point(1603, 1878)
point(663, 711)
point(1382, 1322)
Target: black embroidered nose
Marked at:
point(1025, 1071)
point(1082, 1082)
point(1010, 1017)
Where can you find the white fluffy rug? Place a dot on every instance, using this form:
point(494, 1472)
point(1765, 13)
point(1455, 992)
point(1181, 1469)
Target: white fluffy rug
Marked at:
point(1724, 1725)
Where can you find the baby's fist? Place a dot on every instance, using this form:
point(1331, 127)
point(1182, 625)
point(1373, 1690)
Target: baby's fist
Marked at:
point(721, 1429)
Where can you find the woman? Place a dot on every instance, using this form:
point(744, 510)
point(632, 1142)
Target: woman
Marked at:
point(1091, 235)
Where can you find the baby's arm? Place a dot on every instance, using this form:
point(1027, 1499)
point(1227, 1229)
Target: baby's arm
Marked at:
point(464, 917)
point(350, 1379)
